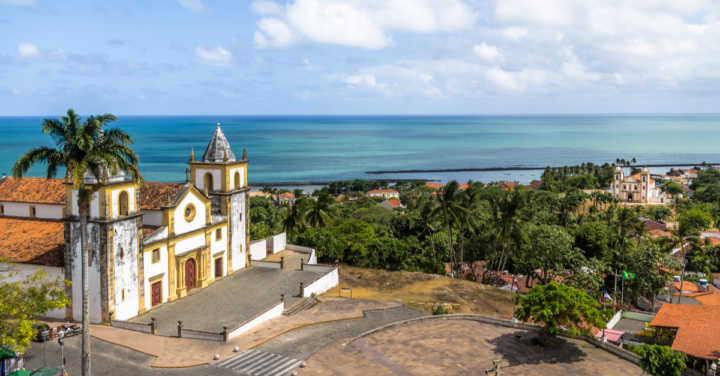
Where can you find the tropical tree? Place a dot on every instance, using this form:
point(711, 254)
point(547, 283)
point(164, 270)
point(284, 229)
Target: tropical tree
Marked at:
point(294, 217)
point(550, 250)
point(319, 211)
point(450, 211)
point(85, 150)
point(660, 360)
point(554, 305)
point(21, 301)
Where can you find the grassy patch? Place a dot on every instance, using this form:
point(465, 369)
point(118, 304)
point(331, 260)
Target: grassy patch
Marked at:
point(421, 291)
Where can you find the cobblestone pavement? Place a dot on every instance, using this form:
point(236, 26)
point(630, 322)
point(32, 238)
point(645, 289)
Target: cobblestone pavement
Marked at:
point(230, 301)
point(462, 347)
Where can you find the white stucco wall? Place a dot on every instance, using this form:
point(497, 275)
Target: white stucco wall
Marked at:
point(153, 217)
point(115, 197)
point(181, 225)
point(278, 242)
point(94, 204)
point(126, 269)
point(221, 244)
point(189, 244)
point(258, 249)
point(11, 272)
point(200, 179)
point(323, 284)
point(275, 311)
point(153, 270)
point(237, 219)
point(93, 274)
point(239, 170)
point(224, 264)
point(22, 209)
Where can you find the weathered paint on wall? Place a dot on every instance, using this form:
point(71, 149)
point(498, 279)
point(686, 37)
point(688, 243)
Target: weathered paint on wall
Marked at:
point(200, 178)
point(115, 194)
point(13, 272)
point(126, 269)
point(94, 285)
point(238, 248)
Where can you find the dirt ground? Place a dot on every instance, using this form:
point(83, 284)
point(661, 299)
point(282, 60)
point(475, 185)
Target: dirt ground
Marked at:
point(462, 347)
point(421, 291)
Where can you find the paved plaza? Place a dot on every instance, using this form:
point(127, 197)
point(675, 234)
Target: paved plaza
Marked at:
point(461, 347)
point(229, 301)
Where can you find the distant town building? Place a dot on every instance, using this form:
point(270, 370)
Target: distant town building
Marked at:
point(638, 188)
point(383, 193)
point(695, 327)
point(287, 198)
point(391, 204)
point(435, 186)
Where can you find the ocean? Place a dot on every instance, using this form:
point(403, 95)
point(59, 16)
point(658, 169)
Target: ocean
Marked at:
point(326, 148)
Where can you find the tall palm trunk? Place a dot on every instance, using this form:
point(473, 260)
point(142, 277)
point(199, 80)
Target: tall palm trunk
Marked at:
point(452, 250)
point(83, 206)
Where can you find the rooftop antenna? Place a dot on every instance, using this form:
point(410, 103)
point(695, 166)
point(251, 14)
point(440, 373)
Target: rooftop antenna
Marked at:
point(192, 155)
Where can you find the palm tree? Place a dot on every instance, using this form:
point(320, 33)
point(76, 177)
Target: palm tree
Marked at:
point(83, 149)
point(294, 217)
point(451, 212)
point(318, 212)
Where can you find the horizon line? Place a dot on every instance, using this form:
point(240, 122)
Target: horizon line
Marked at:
point(559, 114)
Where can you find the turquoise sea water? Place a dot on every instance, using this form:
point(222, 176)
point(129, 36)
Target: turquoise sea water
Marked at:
point(321, 148)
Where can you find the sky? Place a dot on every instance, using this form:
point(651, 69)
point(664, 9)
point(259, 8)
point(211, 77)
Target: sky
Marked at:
point(236, 57)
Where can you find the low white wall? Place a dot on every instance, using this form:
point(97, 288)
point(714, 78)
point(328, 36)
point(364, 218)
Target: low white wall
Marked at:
point(266, 264)
point(258, 249)
point(319, 268)
point(614, 320)
point(22, 209)
point(275, 311)
point(323, 284)
point(277, 242)
point(10, 272)
point(311, 259)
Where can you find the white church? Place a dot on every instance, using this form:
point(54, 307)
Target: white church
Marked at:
point(150, 243)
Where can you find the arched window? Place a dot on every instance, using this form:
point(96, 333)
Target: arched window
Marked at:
point(237, 180)
point(123, 203)
point(208, 182)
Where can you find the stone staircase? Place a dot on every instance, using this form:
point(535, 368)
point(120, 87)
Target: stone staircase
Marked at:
point(300, 305)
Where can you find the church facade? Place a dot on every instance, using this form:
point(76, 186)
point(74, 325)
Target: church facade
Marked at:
point(149, 243)
point(636, 188)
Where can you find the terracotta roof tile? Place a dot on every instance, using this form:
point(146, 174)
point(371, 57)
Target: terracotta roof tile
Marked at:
point(698, 334)
point(434, 185)
point(378, 191)
point(153, 195)
point(394, 203)
point(709, 299)
point(36, 190)
point(32, 241)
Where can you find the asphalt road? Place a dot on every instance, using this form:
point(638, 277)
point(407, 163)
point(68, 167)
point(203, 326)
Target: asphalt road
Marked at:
point(112, 360)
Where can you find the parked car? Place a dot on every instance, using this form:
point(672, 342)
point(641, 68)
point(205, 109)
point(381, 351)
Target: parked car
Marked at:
point(43, 332)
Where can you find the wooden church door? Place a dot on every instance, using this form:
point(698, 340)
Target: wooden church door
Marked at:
point(190, 276)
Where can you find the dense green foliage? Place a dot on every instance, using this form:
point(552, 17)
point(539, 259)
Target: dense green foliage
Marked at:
point(21, 302)
point(660, 360)
point(560, 231)
point(554, 305)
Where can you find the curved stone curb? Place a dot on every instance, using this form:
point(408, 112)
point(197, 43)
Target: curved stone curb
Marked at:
point(619, 352)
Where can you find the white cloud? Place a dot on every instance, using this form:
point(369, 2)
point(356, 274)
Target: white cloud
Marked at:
point(486, 51)
point(273, 33)
point(514, 33)
point(193, 5)
point(27, 49)
point(265, 7)
point(363, 23)
point(218, 56)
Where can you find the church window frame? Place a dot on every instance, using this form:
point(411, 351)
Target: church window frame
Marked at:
point(156, 255)
point(2, 209)
point(218, 234)
point(237, 180)
point(208, 182)
point(189, 212)
point(33, 211)
point(123, 203)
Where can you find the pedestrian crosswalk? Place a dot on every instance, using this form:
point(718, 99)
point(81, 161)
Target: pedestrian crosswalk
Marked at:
point(259, 363)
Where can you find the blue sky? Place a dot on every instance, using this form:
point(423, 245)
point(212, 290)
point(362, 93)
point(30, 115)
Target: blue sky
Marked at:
point(359, 56)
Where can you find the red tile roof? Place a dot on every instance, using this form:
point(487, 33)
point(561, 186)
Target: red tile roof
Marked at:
point(35, 190)
point(32, 241)
point(709, 299)
point(659, 233)
point(394, 203)
point(378, 191)
point(698, 332)
point(287, 195)
point(153, 195)
point(463, 186)
point(434, 185)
